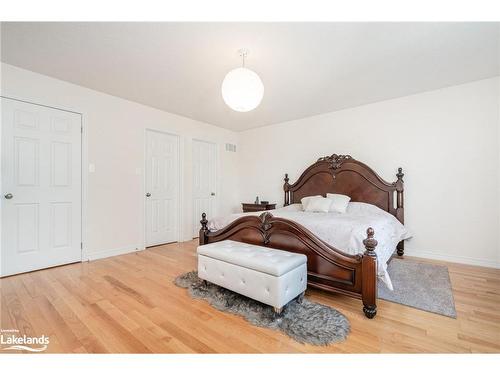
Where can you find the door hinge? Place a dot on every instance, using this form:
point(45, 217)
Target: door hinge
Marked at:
point(81, 245)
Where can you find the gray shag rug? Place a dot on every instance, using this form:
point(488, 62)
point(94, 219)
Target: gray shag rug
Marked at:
point(420, 285)
point(306, 322)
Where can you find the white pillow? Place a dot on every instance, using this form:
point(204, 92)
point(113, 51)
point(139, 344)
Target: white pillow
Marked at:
point(318, 204)
point(305, 201)
point(339, 202)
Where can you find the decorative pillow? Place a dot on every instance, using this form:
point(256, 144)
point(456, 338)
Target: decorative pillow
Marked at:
point(339, 202)
point(318, 204)
point(305, 201)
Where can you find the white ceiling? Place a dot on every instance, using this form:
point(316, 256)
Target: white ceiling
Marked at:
point(307, 68)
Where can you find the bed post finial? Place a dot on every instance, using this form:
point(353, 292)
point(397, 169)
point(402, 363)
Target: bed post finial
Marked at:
point(370, 242)
point(400, 174)
point(204, 221)
point(286, 187)
point(204, 229)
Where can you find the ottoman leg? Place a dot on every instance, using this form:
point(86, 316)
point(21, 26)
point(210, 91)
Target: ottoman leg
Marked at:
point(300, 297)
point(278, 312)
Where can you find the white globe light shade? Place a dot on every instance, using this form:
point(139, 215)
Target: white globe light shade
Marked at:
point(242, 89)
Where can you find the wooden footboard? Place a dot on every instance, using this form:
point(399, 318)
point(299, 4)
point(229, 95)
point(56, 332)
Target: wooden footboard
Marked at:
point(328, 268)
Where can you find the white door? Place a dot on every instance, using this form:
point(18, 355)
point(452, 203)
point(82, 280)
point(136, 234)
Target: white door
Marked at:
point(204, 181)
point(41, 187)
point(162, 188)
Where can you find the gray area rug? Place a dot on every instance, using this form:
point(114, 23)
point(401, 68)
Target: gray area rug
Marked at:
point(306, 322)
point(420, 285)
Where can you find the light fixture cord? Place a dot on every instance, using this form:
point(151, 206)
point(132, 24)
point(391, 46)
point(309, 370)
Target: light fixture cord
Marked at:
point(243, 53)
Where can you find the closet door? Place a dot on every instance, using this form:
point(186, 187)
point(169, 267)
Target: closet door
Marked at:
point(204, 182)
point(41, 187)
point(162, 188)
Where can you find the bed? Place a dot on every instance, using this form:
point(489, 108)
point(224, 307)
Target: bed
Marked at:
point(351, 268)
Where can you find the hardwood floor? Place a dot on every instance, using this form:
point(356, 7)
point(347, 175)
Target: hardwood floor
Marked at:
point(128, 303)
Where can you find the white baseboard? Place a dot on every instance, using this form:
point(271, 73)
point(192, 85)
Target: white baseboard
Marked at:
point(93, 255)
point(409, 252)
point(453, 258)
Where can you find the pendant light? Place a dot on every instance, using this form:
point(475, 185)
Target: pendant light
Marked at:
point(242, 88)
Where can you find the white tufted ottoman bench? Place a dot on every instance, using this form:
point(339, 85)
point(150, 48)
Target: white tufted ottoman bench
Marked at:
point(270, 276)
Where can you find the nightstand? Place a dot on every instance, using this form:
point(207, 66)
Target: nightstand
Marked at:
point(253, 207)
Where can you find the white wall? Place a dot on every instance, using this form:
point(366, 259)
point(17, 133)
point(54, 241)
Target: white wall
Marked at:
point(447, 142)
point(115, 128)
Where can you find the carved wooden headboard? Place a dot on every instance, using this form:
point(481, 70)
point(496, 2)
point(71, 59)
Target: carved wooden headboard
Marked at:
point(342, 174)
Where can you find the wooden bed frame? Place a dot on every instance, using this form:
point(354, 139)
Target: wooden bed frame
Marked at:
point(328, 268)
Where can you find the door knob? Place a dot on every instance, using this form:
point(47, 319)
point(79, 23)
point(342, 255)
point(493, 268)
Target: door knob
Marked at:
point(212, 194)
point(8, 196)
point(148, 195)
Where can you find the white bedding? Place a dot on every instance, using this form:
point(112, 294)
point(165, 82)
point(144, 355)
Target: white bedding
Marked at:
point(344, 231)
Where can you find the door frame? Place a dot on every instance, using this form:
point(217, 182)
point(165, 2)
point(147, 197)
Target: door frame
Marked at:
point(83, 177)
point(180, 195)
point(217, 187)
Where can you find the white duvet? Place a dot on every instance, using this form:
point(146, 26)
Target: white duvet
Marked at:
point(344, 231)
